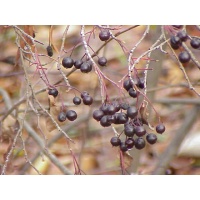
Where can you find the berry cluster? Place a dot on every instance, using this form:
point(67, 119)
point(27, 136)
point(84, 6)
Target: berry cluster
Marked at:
point(177, 40)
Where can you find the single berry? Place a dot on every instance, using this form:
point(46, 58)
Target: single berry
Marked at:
point(139, 143)
point(115, 141)
point(49, 51)
point(175, 42)
point(132, 112)
point(184, 57)
point(98, 114)
point(195, 43)
point(123, 147)
point(76, 100)
point(130, 142)
point(104, 108)
point(71, 115)
point(160, 128)
point(111, 110)
point(116, 105)
point(129, 130)
point(133, 93)
point(127, 84)
point(151, 138)
point(78, 64)
point(182, 35)
point(104, 35)
point(102, 61)
point(67, 62)
point(87, 100)
point(62, 117)
point(104, 121)
point(140, 131)
point(84, 93)
point(86, 67)
point(140, 83)
point(111, 119)
point(53, 92)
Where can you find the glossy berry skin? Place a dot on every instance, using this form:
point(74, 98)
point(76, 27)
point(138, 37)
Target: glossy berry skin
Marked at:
point(160, 128)
point(123, 147)
point(98, 114)
point(104, 35)
point(124, 106)
point(111, 110)
point(78, 63)
point(115, 141)
point(127, 84)
point(102, 61)
point(121, 118)
point(132, 112)
point(116, 105)
point(86, 67)
point(104, 121)
point(175, 42)
point(133, 93)
point(151, 138)
point(76, 100)
point(111, 119)
point(87, 100)
point(67, 62)
point(130, 142)
point(140, 143)
point(182, 35)
point(71, 115)
point(129, 130)
point(104, 108)
point(195, 43)
point(53, 92)
point(49, 51)
point(140, 131)
point(62, 117)
point(184, 57)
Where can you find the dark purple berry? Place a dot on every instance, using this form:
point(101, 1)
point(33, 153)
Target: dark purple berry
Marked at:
point(49, 51)
point(129, 130)
point(104, 121)
point(151, 138)
point(133, 93)
point(115, 141)
point(123, 147)
point(127, 84)
point(102, 61)
point(140, 131)
point(71, 115)
point(98, 114)
point(182, 35)
point(104, 108)
point(84, 93)
point(178, 26)
point(160, 128)
point(67, 62)
point(62, 117)
point(86, 67)
point(130, 142)
point(53, 92)
point(184, 57)
point(87, 100)
point(76, 100)
point(124, 105)
point(122, 118)
point(139, 143)
point(195, 43)
point(78, 64)
point(116, 105)
point(111, 110)
point(175, 42)
point(104, 35)
point(111, 119)
point(140, 83)
point(132, 112)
